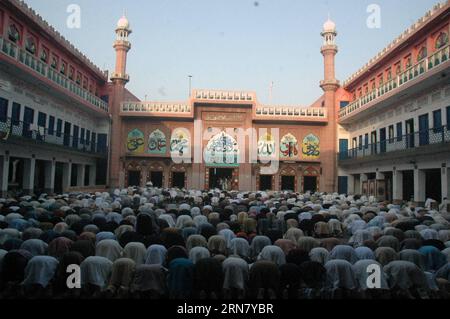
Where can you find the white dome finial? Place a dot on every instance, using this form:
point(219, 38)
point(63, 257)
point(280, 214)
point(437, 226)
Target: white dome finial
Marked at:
point(329, 25)
point(123, 22)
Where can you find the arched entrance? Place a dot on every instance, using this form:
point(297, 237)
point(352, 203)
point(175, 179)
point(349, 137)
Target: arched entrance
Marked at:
point(133, 174)
point(310, 179)
point(178, 177)
point(288, 179)
point(156, 174)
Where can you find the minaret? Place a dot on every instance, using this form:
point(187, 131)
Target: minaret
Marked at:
point(122, 46)
point(119, 79)
point(329, 85)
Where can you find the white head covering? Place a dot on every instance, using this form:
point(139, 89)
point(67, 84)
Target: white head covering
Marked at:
point(197, 253)
point(235, 273)
point(340, 274)
point(135, 251)
point(96, 270)
point(40, 270)
point(274, 254)
point(109, 248)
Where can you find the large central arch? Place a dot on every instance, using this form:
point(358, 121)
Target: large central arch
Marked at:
point(222, 150)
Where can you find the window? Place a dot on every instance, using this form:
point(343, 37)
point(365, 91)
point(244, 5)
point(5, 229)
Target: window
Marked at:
point(448, 117)
point(3, 109)
point(71, 72)
point(54, 63)
point(51, 125)
point(391, 133)
point(13, 33)
point(422, 54)
point(398, 69)
point(93, 141)
point(63, 68)
point(15, 114)
point(30, 45)
point(389, 74)
point(343, 104)
point(354, 143)
point(360, 142)
point(437, 121)
point(78, 81)
point(408, 62)
point(366, 140)
point(442, 40)
point(58, 128)
point(399, 131)
point(82, 136)
point(75, 135)
point(42, 119)
point(44, 55)
point(88, 136)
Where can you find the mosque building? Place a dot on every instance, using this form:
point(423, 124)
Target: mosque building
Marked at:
point(66, 125)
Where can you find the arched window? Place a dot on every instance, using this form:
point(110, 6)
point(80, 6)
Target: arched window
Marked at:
point(222, 149)
point(408, 63)
point(398, 70)
point(44, 55)
point(13, 33)
point(422, 54)
point(30, 45)
point(441, 40)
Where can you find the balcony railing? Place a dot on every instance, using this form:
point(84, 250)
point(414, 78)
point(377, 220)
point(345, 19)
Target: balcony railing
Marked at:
point(11, 128)
point(156, 107)
point(25, 58)
point(219, 95)
point(434, 136)
point(401, 79)
point(307, 112)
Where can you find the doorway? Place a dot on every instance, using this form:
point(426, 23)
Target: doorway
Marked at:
point(220, 178)
point(408, 185)
point(265, 182)
point(156, 178)
point(288, 183)
point(310, 184)
point(134, 178)
point(433, 184)
point(409, 133)
point(178, 179)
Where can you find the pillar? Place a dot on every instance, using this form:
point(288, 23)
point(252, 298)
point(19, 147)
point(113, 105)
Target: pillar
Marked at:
point(29, 169)
point(357, 184)
point(351, 184)
point(50, 169)
point(4, 174)
point(81, 169)
point(419, 186)
point(92, 175)
point(397, 186)
point(444, 182)
point(362, 178)
point(67, 176)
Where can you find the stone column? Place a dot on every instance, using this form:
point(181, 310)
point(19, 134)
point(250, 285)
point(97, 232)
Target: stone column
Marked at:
point(351, 184)
point(50, 168)
point(92, 175)
point(67, 176)
point(419, 186)
point(29, 169)
point(444, 182)
point(4, 174)
point(362, 178)
point(397, 186)
point(81, 169)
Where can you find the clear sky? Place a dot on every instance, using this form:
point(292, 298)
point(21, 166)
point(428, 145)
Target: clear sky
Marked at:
point(232, 44)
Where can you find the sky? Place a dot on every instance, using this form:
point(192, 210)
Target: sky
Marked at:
point(232, 44)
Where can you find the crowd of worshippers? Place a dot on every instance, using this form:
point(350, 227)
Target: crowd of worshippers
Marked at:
point(168, 243)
